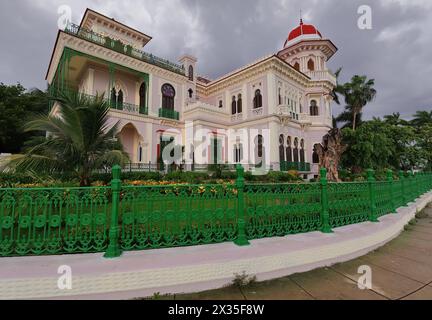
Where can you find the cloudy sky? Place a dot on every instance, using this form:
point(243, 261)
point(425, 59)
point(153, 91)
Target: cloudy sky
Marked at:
point(226, 34)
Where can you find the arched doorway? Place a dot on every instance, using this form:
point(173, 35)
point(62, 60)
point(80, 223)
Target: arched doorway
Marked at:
point(130, 139)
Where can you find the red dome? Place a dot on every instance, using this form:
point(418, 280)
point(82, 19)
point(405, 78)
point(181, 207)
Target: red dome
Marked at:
point(302, 29)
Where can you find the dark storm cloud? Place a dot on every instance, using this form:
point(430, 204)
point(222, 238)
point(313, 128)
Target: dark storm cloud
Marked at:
point(227, 34)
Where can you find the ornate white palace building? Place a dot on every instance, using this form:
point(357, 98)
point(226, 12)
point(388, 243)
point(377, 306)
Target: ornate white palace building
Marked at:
point(281, 101)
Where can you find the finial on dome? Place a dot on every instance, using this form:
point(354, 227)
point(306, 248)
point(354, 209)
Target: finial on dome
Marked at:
point(301, 18)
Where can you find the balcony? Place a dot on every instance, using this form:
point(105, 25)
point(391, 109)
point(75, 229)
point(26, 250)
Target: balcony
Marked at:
point(169, 114)
point(120, 47)
point(298, 166)
point(125, 107)
point(322, 76)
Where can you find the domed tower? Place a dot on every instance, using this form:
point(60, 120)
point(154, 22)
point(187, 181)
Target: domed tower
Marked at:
point(306, 50)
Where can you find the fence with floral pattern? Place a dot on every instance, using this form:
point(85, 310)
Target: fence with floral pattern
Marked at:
point(118, 218)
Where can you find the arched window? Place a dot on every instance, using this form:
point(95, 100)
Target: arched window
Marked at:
point(313, 108)
point(120, 100)
point(302, 151)
point(220, 104)
point(116, 99)
point(281, 149)
point(190, 93)
point(311, 65)
point(257, 101)
point(297, 66)
point(296, 150)
point(191, 73)
point(143, 95)
point(168, 95)
point(280, 96)
point(233, 105)
point(259, 152)
point(239, 104)
point(289, 150)
point(140, 153)
point(238, 153)
point(315, 156)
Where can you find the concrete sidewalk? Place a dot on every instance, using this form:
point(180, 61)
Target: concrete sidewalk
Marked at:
point(402, 269)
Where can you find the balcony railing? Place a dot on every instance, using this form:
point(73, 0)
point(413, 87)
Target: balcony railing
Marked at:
point(299, 166)
point(169, 114)
point(122, 106)
point(119, 46)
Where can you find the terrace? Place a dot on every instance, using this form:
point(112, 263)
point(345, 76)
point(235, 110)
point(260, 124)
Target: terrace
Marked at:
point(120, 47)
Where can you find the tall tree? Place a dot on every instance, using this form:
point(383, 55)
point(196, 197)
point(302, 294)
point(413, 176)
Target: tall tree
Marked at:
point(17, 105)
point(422, 118)
point(330, 152)
point(79, 139)
point(358, 92)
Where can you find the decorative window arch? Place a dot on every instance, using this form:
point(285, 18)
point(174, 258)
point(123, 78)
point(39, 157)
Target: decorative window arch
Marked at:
point(297, 66)
point(191, 73)
point(296, 150)
point(168, 95)
point(260, 147)
point(289, 150)
point(238, 152)
point(302, 151)
point(233, 105)
point(117, 98)
point(314, 108)
point(257, 101)
point(143, 95)
point(311, 65)
point(281, 148)
point(239, 103)
point(280, 96)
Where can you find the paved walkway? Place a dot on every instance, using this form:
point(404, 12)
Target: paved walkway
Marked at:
point(402, 269)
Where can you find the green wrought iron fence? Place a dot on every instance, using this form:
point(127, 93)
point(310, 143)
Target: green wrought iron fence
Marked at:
point(169, 114)
point(56, 220)
point(119, 218)
point(298, 166)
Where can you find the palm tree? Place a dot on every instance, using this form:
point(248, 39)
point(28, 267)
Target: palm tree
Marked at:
point(357, 94)
point(422, 118)
point(338, 89)
point(78, 140)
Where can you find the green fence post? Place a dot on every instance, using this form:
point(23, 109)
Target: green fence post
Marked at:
point(325, 215)
point(113, 249)
point(391, 187)
point(371, 183)
point(241, 221)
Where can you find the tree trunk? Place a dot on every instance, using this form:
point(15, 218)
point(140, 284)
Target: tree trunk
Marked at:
point(330, 152)
point(354, 120)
